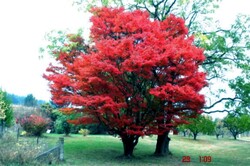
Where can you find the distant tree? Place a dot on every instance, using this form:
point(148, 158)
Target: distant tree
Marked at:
point(35, 125)
point(219, 128)
point(183, 129)
point(47, 109)
point(201, 124)
point(30, 101)
point(237, 124)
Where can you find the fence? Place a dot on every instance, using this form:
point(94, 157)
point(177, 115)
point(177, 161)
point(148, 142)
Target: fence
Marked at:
point(56, 153)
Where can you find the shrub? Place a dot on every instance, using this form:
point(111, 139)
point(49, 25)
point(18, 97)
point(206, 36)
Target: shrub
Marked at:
point(34, 125)
point(84, 132)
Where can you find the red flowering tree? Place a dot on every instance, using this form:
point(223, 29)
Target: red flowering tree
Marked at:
point(139, 77)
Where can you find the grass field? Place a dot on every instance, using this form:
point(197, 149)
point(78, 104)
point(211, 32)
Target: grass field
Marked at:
point(106, 150)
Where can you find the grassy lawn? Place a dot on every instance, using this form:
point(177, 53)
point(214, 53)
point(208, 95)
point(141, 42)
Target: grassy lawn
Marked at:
point(106, 150)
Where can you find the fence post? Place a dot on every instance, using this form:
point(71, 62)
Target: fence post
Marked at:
point(61, 150)
point(1, 128)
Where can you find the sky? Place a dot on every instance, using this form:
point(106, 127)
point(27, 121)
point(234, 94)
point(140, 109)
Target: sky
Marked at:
point(23, 25)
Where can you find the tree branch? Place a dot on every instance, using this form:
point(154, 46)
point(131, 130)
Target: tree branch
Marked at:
point(169, 8)
point(217, 111)
point(222, 99)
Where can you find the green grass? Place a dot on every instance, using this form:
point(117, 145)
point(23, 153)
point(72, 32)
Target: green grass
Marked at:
point(106, 150)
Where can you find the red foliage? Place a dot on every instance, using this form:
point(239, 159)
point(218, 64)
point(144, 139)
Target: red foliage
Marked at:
point(35, 125)
point(141, 77)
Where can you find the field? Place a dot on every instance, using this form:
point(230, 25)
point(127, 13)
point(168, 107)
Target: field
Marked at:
point(107, 150)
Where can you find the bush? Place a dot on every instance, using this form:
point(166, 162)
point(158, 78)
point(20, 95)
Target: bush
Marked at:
point(84, 132)
point(34, 125)
point(18, 153)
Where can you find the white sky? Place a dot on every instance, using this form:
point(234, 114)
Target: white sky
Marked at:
point(23, 24)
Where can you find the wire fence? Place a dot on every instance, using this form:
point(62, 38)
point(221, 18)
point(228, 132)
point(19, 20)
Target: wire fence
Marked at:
point(54, 154)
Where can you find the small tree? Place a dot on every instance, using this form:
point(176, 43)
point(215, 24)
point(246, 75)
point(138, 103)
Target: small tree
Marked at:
point(183, 129)
point(201, 124)
point(35, 125)
point(219, 128)
point(237, 124)
point(6, 112)
point(61, 124)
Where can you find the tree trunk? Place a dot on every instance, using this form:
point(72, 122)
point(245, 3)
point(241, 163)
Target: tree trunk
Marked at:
point(162, 145)
point(37, 140)
point(217, 136)
point(235, 136)
point(129, 143)
point(195, 135)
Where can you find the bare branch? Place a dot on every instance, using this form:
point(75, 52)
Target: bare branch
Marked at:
point(222, 99)
point(217, 31)
point(217, 111)
point(209, 79)
point(169, 8)
point(192, 19)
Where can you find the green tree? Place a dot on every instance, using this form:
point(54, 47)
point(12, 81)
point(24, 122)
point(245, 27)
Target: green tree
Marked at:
point(47, 109)
point(30, 101)
point(237, 124)
point(201, 124)
point(6, 112)
point(220, 129)
point(183, 129)
point(61, 124)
